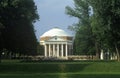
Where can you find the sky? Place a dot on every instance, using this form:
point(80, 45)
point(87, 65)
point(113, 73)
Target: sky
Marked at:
point(52, 14)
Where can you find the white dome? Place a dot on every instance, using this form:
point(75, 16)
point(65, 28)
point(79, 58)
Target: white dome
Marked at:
point(55, 32)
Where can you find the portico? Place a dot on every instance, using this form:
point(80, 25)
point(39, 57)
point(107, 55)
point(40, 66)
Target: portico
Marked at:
point(57, 49)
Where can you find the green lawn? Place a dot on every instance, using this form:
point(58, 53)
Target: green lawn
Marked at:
point(82, 69)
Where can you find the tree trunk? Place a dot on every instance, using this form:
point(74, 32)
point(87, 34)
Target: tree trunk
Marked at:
point(97, 50)
point(117, 51)
point(0, 56)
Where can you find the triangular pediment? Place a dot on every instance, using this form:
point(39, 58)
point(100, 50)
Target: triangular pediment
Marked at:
point(56, 38)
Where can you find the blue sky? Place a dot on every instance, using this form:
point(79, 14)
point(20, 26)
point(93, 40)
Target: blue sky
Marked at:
point(52, 14)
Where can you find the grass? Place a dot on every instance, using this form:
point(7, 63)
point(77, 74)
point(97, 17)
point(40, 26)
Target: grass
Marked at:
point(82, 69)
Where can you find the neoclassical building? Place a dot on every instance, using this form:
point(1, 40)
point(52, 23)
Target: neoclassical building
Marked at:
point(57, 43)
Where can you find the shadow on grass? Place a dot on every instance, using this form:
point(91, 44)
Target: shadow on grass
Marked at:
point(63, 68)
point(55, 70)
point(94, 76)
point(41, 68)
point(63, 76)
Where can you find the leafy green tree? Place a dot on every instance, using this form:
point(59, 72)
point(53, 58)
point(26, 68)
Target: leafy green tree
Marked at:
point(106, 23)
point(84, 40)
point(40, 49)
point(17, 17)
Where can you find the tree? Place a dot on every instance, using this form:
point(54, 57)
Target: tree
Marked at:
point(40, 49)
point(84, 40)
point(17, 17)
point(106, 27)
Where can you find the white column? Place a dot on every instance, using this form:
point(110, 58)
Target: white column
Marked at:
point(57, 50)
point(49, 50)
point(45, 50)
point(53, 49)
point(66, 52)
point(101, 54)
point(62, 50)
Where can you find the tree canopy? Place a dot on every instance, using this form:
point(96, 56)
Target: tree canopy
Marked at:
point(99, 30)
point(106, 23)
point(84, 42)
point(16, 25)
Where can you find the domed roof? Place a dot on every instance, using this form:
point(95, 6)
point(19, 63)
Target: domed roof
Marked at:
point(55, 32)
